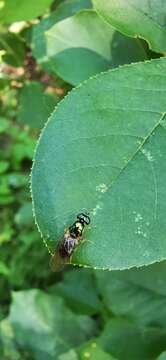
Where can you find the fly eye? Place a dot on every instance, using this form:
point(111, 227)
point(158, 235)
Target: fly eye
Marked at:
point(83, 218)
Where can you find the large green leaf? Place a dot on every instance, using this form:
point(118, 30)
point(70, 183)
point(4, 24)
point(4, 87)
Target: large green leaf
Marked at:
point(144, 19)
point(126, 340)
point(104, 151)
point(83, 45)
point(137, 293)
point(18, 10)
point(43, 324)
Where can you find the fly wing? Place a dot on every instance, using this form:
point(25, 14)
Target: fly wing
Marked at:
point(58, 259)
point(57, 263)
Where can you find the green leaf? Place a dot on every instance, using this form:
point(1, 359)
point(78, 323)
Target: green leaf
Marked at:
point(104, 151)
point(93, 351)
point(17, 180)
point(43, 324)
point(144, 19)
point(126, 340)
point(23, 217)
point(75, 58)
point(162, 356)
point(35, 105)
point(18, 10)
point(3, 166)
point(65, 9)
point(4, 125)
point(4, 270)
point(6, 230)
point(4, 185)
point(136, 293)
point(4, 82)
point(69, 355)
point(79, 290)
point(8, 346)
point(14, 48)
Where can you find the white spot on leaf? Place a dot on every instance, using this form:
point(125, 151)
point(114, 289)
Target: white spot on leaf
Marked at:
point(147, 154)
point(96, 208)
point(102, 188)
point(138, 217)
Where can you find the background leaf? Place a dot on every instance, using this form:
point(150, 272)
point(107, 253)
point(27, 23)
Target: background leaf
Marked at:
point(42, 104)
point(93, 351)
point(18, 10)
point(69, 355)
point(79, 291)
point(112, 164)
point(24, 216)
point(8, 348)
point(14, 48)
point(127, 341)
point(138, 294)
point(136, 18)
point(43, 323)
point(97, 48)
point(162, 356)
point(65, 9)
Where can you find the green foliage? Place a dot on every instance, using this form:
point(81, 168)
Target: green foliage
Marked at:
point(127, 341)
point(44, 325)
point(94, 352)
point(162, 356)
point(39, 44)
point(79, 290)
point(35, 106)
point(18, 10)
point(65, 9)
point(139, 294)
point(103, 150)
point(142, 19)
point(13, 47)
point(98, 46)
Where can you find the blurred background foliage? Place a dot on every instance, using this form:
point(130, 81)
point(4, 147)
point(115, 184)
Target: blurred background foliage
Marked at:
point(74, 314)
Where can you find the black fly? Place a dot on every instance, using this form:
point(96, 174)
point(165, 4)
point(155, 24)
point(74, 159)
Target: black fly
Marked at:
point(71, 238)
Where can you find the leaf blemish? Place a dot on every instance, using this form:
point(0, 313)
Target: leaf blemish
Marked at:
point(102, 188)
point(96, 208)
point(140, 231)
point(138, 217)
point(147, 154)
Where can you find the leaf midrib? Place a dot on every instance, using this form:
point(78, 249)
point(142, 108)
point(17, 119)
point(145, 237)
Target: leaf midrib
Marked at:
point(136, 152)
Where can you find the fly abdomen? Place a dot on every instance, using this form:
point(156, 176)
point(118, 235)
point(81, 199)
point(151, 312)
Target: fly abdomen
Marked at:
point(69, 244)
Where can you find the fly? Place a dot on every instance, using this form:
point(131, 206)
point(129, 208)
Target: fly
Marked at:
point(71, 238)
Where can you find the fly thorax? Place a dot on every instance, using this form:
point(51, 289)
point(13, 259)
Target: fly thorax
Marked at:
point(79, 228)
